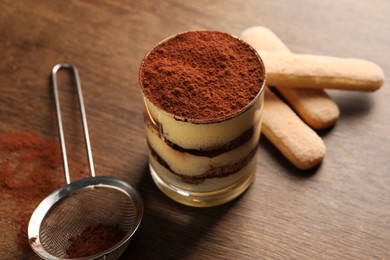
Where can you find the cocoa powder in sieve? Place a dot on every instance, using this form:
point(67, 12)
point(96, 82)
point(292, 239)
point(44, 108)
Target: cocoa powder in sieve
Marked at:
point(202, 76)
point(95, 239)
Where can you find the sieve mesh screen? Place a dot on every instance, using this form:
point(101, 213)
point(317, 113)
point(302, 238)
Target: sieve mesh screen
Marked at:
point(91, 205)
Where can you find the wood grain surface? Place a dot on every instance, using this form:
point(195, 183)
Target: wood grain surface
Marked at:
point(341, 210)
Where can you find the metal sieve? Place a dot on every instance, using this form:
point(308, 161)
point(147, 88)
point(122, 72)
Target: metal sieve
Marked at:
point(96, 201)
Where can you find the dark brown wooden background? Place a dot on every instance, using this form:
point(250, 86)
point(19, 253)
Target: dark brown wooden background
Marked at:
point(339, 211)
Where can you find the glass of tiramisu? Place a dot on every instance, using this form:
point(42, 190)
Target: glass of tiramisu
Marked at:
point(203, 97)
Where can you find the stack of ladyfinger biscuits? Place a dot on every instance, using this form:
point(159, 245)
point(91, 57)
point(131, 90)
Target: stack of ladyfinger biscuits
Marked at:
point(301, 80)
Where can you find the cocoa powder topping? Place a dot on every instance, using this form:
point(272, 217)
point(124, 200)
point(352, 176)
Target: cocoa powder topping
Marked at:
point(202, 76)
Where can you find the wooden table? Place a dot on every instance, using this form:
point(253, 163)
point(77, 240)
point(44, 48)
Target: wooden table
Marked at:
point(339, 211)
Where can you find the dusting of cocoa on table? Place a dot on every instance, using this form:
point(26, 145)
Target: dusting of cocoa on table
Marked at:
point(28, 173)
point(30, 169)
point(94, 239)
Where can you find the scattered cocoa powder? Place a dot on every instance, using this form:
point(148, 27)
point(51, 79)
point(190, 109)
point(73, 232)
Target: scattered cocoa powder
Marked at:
point(202, 76)
point(28, 173)
point(94, 239)
point(30, 170)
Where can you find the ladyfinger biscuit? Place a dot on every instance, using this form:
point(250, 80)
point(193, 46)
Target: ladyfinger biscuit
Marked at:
point(263, 39)
point(293, 138)
point(314, 106)
point(316, 71)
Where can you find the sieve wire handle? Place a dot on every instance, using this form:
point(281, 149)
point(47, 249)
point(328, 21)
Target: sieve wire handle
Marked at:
point(76, 78)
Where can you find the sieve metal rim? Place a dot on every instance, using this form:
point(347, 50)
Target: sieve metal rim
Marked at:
point(66, 191)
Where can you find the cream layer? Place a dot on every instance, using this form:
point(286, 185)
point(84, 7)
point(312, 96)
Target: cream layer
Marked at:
point(187, 164)
point(205, 136)
point(209, 184)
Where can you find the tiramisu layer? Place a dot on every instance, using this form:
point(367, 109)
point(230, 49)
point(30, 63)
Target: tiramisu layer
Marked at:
point(208, 184)
point(205, 137)
point(194, 165)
